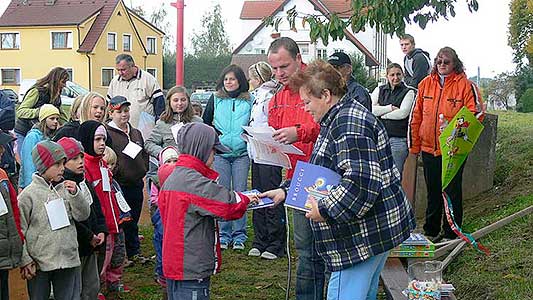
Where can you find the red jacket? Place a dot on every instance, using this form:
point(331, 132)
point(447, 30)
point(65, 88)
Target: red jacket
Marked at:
point(286, 109)
point(108, 202)
point(433, 100)
point(189, 202)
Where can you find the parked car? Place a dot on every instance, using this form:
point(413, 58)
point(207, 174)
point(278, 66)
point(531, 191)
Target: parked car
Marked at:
point(68, 94)
point(201, 97)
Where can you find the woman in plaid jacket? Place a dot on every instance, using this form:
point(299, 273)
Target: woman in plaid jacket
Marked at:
point(367, 214)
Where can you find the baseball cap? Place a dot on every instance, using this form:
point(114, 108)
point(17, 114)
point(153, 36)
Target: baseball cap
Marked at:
point(117, 102)
point(339, 59)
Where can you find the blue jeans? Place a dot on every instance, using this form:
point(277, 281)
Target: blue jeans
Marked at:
point(399, 149)
point(233, 176)
point(157, 240)
point(188, 289)
point(20, 141)
point(359, 282)
point(310, 272)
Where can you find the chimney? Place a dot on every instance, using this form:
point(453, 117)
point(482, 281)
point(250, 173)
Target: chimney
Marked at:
point(49, 2)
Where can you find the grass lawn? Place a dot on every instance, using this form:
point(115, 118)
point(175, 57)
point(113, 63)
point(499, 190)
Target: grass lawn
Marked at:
point(505, 274)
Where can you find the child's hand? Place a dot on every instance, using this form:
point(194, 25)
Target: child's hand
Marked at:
point(101, 238)
point(71, 186)
point(28, 271)
point(94, 241)
point(254, 199)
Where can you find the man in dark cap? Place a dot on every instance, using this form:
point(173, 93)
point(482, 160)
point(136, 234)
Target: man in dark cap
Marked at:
point(341, 61)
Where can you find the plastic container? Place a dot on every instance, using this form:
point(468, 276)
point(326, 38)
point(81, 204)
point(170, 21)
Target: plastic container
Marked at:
point(425, 279)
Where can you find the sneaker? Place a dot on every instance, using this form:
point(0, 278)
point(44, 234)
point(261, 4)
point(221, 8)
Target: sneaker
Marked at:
point(223, 246)
point(141, 237)
point(138, 258)
point(128, 263)
point(122, 288)
point(268, 255)
point(238, 246)
point(254, 252)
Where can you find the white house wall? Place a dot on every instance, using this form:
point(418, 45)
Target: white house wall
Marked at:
point(262, 39)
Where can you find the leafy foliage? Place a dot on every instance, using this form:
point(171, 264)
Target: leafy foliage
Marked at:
point(521, 31)
point(526, 101)
point(388, 16)
point(500, 90)
point(359, 71)
point(523, 81)
point(211, 40)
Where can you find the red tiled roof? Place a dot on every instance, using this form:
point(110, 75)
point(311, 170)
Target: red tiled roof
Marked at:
point(257, 10)
point(98, 26)
point(63, 12)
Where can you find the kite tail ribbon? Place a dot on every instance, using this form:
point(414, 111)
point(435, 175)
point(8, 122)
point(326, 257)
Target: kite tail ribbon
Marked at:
point(464, 236)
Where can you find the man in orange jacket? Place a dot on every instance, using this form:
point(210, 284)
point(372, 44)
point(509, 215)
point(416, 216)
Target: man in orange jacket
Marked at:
point(440, 96)
point(296, 126)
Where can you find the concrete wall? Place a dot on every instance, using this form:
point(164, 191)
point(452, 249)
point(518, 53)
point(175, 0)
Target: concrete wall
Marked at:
point(478, 175)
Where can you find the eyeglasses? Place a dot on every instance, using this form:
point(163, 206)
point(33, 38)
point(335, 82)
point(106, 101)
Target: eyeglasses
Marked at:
point(443, 62)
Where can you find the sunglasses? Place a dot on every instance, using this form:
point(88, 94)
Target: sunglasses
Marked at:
point(443, 62)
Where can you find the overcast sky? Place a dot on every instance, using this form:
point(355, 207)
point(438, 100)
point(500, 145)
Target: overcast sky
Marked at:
point(480, 39)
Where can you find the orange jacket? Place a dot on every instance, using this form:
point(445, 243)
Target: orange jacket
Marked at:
point(286, 109)
point(432, 101)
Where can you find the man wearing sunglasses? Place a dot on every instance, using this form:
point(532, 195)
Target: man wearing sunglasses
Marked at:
point(440, 97)
point(416, 62)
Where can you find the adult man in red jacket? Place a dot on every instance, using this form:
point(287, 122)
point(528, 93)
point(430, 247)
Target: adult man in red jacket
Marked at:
point(295, 126)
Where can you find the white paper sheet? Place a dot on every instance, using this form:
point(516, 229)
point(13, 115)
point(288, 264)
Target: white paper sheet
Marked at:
point(264, 136)
point(132, 150)
point(122, 204)
point(3, 206)
point(106, 183)
point(175, 129)
point(57, 213)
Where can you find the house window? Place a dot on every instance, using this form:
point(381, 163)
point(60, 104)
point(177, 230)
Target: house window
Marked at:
point(338, 50)
point(10, 76)
point(322, 54)
point(126, 42)
point(61, 40)
point(107, 75)
point(111, 41)
point(152, 71)
point(9, 40)
point(260, 51)
point(151, 45)
point(304, 48)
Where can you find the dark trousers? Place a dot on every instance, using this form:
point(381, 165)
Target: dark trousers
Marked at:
point(134, 196)
point(269, 223)
point(4, 284)
point(435, 210)
point(65, 282)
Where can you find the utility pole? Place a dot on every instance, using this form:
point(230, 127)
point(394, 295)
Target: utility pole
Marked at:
point(179, 5)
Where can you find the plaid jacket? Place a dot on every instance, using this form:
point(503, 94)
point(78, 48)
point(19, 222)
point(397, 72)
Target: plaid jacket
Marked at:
point(368, 212)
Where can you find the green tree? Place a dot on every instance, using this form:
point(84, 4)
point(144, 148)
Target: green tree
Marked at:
point(212, 39)
point(388, 16)
point(359, 71)
point(499, 90)
point(526, 101)
point(521, 31)
point(203, 71)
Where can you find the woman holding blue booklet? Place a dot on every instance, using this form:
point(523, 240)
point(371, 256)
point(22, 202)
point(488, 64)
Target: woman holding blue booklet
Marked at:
point(367, 213)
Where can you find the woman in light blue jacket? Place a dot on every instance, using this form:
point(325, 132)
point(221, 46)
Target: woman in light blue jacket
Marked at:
point(44, 130)
point(227, 111)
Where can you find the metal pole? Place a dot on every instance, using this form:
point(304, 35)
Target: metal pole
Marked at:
point(179, 5)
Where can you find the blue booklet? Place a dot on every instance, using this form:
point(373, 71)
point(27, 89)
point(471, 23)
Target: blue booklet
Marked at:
point(310, 180)
point(263, 202)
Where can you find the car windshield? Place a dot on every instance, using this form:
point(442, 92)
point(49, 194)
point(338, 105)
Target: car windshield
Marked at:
point(76, 88)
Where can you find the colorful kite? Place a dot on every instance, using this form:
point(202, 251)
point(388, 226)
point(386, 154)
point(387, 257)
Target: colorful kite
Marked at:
point(456, 141)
